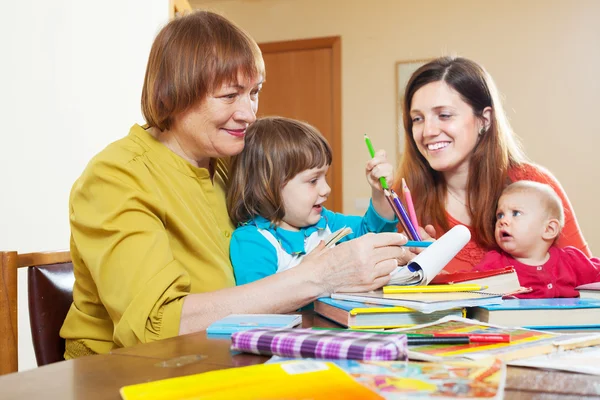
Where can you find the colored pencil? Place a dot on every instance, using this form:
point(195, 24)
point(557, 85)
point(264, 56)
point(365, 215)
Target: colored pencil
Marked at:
point(414, 243)
point(409, 204)
point(459, 287)
point(411, 230)
point(382, 180)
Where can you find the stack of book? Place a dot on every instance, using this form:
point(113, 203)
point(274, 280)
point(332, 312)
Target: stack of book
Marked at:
point(560, 313)
point(359, 315)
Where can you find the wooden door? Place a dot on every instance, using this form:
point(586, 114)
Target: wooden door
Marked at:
point(304, 82)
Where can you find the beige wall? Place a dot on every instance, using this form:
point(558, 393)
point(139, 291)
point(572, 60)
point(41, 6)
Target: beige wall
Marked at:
point(543, 54)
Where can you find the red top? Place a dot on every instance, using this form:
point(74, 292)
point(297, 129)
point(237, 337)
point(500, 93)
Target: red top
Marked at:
point(566, 269)
point(570, 235)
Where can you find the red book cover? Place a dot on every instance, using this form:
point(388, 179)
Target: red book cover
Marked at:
point(457, 277)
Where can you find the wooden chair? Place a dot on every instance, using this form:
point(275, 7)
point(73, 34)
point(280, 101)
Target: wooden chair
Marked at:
point(50, 283)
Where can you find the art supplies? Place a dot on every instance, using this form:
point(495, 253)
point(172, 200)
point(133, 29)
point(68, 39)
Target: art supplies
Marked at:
point(297, 379)
point(459, 287)
point(241, 322)
point(427, 264)
point(414, 243)
point(382, 180)
point(366, 315)
point(394, 201)
point(559, 313)
point(325, 344)
point(415, 338)
point(446, 380)
point(336, 236)
point(424, 302)
point(409, 204)
point(589, 291)
point(523, 343)
point(412, 232)
point(501, 280)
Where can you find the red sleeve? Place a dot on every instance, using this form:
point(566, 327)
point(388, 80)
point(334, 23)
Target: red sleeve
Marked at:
point(586, 270)
point(571, 234)
point(492, 260)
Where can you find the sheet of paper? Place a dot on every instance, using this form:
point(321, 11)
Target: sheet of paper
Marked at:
point(425, 266)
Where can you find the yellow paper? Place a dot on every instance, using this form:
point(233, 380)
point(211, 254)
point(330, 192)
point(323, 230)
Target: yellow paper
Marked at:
point(433, 288)
point(302, 379)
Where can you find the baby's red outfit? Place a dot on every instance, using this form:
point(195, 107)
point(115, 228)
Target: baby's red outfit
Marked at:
point(565, 269)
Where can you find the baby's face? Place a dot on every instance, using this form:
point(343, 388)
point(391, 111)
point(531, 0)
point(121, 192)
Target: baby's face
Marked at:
point(520, 222)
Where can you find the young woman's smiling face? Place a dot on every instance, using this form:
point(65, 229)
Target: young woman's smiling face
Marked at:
point(303, 197)
point(445, 129)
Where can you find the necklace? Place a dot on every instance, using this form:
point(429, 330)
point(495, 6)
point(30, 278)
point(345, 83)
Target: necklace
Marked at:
point(456, 198)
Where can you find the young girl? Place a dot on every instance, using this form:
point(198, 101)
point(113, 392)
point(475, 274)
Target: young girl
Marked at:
point(276, 197)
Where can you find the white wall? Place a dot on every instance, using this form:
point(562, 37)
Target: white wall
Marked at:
point(71, 80)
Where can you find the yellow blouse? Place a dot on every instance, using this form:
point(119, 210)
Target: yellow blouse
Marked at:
point(147, 228)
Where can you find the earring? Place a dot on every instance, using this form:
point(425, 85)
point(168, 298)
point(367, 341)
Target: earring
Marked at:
point(482, 130)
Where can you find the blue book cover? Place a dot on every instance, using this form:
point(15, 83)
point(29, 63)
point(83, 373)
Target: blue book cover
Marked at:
point(543, 304)
point(558, 313)
point(243, 322)
point(348, 305)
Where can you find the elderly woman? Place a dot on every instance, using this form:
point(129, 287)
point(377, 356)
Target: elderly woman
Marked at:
point(149, 226)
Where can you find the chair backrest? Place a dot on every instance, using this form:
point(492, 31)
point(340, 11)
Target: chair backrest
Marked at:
point(50, 285)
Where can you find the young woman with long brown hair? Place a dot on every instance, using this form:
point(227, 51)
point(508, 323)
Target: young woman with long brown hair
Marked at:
point(460, 153)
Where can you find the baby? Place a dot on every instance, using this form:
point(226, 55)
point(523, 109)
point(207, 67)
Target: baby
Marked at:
point(529, 219)
point(277, 189)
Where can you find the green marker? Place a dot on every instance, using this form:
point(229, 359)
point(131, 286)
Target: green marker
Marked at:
point(372, 152)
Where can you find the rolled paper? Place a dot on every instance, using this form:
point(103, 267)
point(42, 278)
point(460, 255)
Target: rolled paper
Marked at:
point(427, 264)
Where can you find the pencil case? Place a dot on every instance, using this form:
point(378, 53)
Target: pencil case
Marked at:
point(309, 343)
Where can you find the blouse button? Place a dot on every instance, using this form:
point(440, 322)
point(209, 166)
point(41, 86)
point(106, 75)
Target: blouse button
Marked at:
point(227, 234)
point(539, 268)
point(549, 286)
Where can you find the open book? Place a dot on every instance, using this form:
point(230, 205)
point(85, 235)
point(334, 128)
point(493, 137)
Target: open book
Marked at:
point(425, 266)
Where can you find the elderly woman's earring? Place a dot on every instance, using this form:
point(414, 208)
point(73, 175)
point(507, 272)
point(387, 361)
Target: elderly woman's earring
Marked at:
point(482, 130)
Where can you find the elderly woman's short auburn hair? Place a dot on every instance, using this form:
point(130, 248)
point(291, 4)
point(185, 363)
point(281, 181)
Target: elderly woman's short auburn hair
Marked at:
point(192, 56)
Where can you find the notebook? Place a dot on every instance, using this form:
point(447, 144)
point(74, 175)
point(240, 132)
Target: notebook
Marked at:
point(557, 313)
point(589, 291)
point(424, 302)
point(300, 379)
point(427, 264)
point(358, 315)
point(242, 322)
point(501, 280)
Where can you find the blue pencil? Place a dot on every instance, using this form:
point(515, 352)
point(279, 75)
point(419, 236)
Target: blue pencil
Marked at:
point(415, 243)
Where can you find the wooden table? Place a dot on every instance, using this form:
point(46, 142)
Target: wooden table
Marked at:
point(101, 376)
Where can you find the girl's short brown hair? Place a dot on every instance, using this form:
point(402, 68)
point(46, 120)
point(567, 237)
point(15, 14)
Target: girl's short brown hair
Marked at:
point(276, 150)
point(192, 56)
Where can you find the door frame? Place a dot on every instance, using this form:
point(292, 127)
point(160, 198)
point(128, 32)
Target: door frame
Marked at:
point(335, 44)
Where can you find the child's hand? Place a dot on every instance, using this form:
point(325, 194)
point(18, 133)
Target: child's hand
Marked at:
point(379, 167)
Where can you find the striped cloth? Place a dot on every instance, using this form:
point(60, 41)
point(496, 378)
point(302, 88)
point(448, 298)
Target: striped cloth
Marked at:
point(309, 343)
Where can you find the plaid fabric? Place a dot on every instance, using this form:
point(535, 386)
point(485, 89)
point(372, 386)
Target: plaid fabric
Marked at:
point(290, 342)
